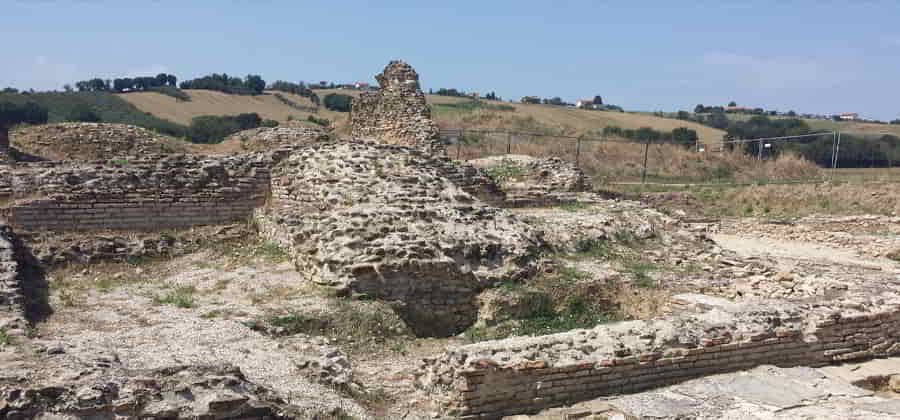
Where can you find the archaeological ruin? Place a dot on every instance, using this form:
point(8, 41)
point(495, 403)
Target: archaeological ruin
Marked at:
point(515, 246)
point(396, 113)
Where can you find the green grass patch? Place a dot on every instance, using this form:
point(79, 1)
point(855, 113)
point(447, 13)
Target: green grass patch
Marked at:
point(640, 272)
point(574, 206)
point(506, 170)
point(5, 338)
point(358, 325)
point(181, 297)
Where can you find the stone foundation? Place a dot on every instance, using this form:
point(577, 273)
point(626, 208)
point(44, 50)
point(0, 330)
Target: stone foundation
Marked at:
point(525, 375)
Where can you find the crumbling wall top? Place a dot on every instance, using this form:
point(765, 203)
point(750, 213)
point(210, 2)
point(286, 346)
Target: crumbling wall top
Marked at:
point(398, 75)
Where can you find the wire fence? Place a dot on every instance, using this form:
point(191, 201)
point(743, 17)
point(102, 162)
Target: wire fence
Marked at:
point(617, 160)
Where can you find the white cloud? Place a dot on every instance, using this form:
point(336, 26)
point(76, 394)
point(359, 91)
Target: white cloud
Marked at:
point(777, 72)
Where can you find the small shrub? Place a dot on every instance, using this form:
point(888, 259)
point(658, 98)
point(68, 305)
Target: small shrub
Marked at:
point(318, 121)
point(83, 113)
point(5, 338)
point(574, 206)
point(338, 102)
point(182, 297)
point(624, 237)
point(593, 248)
point(505, 171)
point(640, 272)
point(268, 123)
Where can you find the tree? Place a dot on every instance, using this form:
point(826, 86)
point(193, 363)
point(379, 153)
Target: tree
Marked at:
point(27, 113)
point(699, 109)
point(646, 134)
point(732, 103)
point(896, 122)
point(684, 136)
point(255, 83)
point(683, 115)
point(791, 114)
point(598, 100)
point(248, 120)
point(338, 102)
point(83, 113)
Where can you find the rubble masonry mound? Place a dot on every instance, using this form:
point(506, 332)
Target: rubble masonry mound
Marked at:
point(386, 222)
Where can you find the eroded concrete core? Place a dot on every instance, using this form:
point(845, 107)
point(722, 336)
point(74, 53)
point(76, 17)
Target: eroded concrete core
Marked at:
point(385, 221)
point(397, 113)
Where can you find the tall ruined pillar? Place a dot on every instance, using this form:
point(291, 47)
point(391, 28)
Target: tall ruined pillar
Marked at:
point(397, 112)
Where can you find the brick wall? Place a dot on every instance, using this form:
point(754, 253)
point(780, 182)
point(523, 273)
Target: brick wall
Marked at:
point(171, 192)
point(483, 381)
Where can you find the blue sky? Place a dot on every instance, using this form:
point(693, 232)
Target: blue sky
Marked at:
point(810, 56)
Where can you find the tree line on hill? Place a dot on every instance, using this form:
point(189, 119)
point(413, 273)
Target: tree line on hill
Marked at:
point(491, 96)
point(854, 152)
point(250, 85)
point(682, 136)
point(127, 84)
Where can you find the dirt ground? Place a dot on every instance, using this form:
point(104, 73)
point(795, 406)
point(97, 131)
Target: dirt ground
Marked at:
point(243, 303)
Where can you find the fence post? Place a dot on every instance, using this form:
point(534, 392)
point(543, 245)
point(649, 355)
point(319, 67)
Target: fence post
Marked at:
point(837, 149)
point(644, 167)
point(577, 150)
point(459, 141)
point(508, 142)
point(759, 155)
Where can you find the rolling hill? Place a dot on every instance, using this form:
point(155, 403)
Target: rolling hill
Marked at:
point(521, 117)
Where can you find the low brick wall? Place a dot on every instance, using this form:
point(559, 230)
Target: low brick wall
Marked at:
point(495, 379)
point(171, 192)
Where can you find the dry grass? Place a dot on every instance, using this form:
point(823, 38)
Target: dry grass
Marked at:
point(526, 117)
point(621, 161)
point(779, 200)
point(208, 102)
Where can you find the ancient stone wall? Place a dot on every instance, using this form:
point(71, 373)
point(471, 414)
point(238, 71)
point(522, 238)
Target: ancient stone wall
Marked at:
point(522, 375)
point(23, 288)
point(397, 113)
point(531, 181)
point(383, 221)
point(168, 192)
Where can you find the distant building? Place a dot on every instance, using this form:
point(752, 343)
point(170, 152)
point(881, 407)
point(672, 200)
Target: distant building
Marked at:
point(584, 103)
point(849, 116)
point(361, 85)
